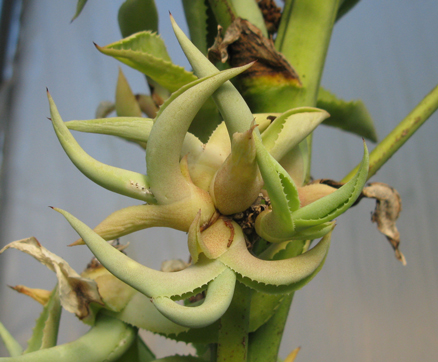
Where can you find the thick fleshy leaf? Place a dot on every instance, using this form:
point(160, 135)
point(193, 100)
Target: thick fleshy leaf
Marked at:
point(146, 52)
point(45, 332)
point(230, 103)
point(219, 295)
point(10, 342)
point(126, 103)
point(107, 340)
point(283, 195)
point(274, 276)
point(137, 15)
point(198, 22)
point(238, 182)
point(178, 215)
point(150, 282)
point(350, 116)
point(76, 293)
point(125, 182)
point(167, 136)
point(141, 313)
point(205, 159)
point(331, 206)
point(131, 128)
point(290, 128)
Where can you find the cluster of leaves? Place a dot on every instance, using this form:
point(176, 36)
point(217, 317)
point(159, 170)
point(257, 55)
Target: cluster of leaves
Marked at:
point(236, 181)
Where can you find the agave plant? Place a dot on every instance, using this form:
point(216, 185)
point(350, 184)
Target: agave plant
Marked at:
point(227, 164)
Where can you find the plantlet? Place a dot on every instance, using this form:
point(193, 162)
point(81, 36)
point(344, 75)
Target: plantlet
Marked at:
point(227, 164)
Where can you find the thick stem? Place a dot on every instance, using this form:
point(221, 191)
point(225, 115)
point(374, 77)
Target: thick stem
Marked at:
point(306, 53)
point(400, 134)
point(265, 342)
point(233, 330)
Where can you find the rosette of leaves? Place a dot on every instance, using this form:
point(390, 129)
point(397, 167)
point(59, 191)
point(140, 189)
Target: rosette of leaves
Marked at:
point(200, 188)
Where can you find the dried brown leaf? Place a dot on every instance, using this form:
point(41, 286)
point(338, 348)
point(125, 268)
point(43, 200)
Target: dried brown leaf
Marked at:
point(387, 211)
point(244, 43)
point(76, 293)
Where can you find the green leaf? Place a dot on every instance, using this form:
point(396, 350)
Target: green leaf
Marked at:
point(128, 183)
point(147, 281)
point(137, 15)
point(45, 332)
point(107, 340)
point(275, 276)
point(349, 116)
point(331, 206)
point(79, 6)
point(131, 128)
point(197, 21)
point(167, 136)
point(218, 299)
point(126, 103)
point(146, 52)
point(10, 342)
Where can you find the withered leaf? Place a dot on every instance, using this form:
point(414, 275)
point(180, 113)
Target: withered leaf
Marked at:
point(387, 211)
point(244, 43)
point(76, 293)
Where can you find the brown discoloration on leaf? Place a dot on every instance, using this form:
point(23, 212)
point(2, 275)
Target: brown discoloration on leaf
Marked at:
point(75, 292)
point(244, 43)
point(387, 211)
point(40, 295)
point(271, 14)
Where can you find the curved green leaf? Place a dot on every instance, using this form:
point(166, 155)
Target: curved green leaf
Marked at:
point(351, 116)
point(137, 15)
point(219, 294)
point(45, 332)
point(10, 342)
point(131, 128)
point(331, 206)
point(150, 282)
point(128, 183)
point(167, 136)
point(107, 340)
point(146, 52)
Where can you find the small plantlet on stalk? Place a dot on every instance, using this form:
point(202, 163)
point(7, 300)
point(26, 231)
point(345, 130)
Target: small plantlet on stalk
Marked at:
point(236, 181)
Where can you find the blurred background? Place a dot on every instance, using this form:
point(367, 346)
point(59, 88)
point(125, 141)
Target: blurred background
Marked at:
point(363, 305)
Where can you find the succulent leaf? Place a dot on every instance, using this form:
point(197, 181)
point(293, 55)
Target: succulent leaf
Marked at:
point(10, 342)
point(290, 128)
point(274, 276)
point(131, 128)
point(237, 183)
point(178, 215)
point(167, 136)
point(45, 332)
point(219, 295)
point(137, 15)
point(331, 206)
point(232, 107)
point(107, 340)
point(350, 116)
point(150, 282)
point(145, 51)
point(124, 182)
point(126, 103)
